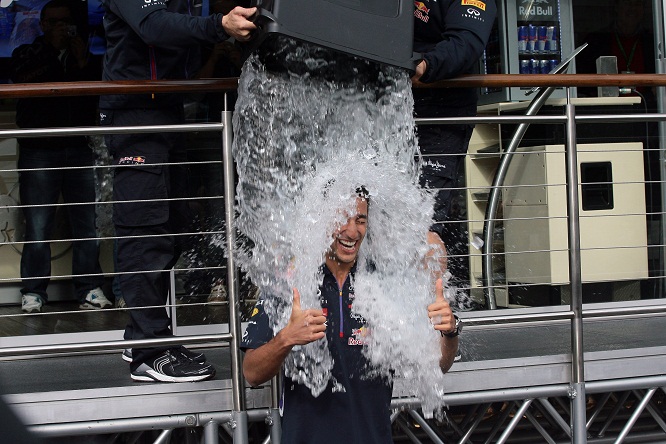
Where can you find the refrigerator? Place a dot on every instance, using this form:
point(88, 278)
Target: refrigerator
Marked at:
point(529, 37)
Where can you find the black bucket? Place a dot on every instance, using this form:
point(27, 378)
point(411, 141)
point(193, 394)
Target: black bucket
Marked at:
point(377, 30)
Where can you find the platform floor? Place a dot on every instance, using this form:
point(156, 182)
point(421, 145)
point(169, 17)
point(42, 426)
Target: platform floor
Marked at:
point(97, 387)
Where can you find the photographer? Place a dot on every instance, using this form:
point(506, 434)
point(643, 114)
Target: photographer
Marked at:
point(49, 166)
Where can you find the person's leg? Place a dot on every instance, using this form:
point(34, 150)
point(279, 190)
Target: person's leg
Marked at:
point(146, 246)
point(443, 148)
point(79, 187)
point(38, 187)
point(150, 250)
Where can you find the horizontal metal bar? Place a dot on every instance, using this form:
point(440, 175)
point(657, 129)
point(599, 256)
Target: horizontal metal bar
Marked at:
point(217, 127)
point(110, 345)
point(562, 315)
point(92, 130)
point(140, 424)
point(490, 119)
point(547, 391)
point(592, 118)
point(625, 384)
point(516, 319)
point(620, 118)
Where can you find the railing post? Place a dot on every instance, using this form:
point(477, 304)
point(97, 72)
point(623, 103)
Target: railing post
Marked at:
point(274, 418)
point(237, 380)
point(211, 433)
point(659, 15)
point(577, 392)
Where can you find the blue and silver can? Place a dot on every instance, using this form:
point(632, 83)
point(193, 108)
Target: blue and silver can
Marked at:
point(551, 39)
point(541, 38)
point(532, 38)
point(544, 66)
point(524, 67)
point(523, 37)
point(535, 67)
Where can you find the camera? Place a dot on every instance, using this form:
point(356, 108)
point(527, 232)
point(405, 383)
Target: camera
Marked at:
point(71, 30)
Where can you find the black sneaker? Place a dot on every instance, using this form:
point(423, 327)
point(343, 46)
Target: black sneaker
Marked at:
point(189, 354)
point(173, 366)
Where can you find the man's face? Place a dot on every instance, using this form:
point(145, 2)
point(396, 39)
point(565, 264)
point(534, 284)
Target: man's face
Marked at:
point(630, 13)
point(347, 239)
point(55, 25)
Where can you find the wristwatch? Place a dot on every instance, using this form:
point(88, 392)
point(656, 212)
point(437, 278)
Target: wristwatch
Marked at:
point(456, 331)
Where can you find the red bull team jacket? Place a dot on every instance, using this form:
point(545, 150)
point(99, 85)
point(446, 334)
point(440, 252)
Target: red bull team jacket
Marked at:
point(154, 40)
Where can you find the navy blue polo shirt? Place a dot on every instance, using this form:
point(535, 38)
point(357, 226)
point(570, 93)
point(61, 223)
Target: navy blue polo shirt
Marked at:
point(358, 414)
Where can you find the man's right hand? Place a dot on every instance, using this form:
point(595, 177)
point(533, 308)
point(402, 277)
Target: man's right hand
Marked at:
point(238, 23)
point(304, 326)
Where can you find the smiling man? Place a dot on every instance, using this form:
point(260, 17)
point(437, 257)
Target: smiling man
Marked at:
point(353, 397)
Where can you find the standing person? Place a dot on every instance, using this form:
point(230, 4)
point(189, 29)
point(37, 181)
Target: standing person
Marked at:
point(626, 38)
point(451, 36)
point(361, 402)
point(52, 166)
point(149, 40)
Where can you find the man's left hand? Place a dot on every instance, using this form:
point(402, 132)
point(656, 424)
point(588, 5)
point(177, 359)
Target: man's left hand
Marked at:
point(440, 313)
point(420, 70)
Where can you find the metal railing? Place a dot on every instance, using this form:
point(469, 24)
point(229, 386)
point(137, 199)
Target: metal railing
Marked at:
point(239, 415)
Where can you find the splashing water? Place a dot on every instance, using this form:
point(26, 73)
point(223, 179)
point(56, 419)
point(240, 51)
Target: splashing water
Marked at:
point(304, 140)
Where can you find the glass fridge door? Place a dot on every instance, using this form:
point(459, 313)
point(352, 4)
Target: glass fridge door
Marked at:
point(530, 37)
point(542, 33)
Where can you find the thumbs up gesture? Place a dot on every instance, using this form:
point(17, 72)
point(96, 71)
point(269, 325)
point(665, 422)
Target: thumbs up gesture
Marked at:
point(304, 326)
point(439, 312)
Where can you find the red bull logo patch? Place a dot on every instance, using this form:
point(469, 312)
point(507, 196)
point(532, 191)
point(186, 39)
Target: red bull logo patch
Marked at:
point(132, 160)
point(421, 11)
point(358, 336)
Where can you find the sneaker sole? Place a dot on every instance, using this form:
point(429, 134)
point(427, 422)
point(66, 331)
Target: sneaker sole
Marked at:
point(32, 310)
point(153, 376)
point(128, 358)
point(89, 306)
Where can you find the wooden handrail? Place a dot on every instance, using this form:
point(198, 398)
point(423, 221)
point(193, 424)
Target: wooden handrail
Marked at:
point(95, 88)
point(545, 80)
point(65, 89)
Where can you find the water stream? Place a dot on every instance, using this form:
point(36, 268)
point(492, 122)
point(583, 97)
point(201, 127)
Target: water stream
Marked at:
point(310, 126)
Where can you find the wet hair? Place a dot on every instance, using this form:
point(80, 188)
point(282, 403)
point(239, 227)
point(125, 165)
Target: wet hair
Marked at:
point(363, 193)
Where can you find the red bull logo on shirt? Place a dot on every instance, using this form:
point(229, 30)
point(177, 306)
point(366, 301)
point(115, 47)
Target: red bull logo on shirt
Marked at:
point(358, 336)
point(421, 11)
point(132, 160)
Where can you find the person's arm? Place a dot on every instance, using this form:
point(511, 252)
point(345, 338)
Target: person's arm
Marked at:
point(160, 27)
point(466, 33)
point(443, 320)
point(304, 326)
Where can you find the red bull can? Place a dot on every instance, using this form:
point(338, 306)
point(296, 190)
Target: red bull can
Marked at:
point(551, 39)
point(532, 38)
point(524, 67)
point(535, 67)
point(523, 37)
point(541, 38)
point(544, 66)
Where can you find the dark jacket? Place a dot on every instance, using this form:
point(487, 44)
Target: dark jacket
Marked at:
point(451, 36)
point(154, 40)
point(39, 62)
